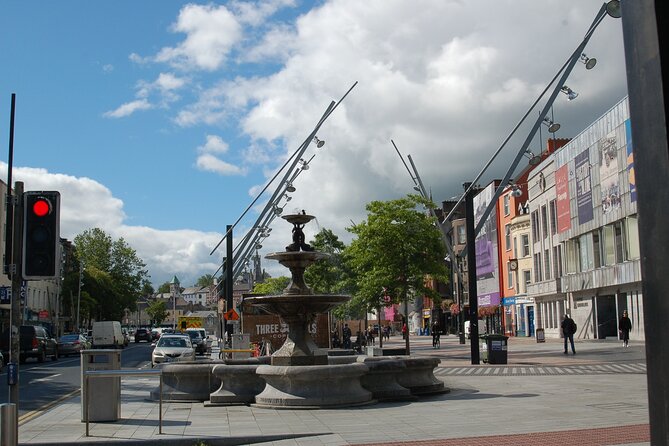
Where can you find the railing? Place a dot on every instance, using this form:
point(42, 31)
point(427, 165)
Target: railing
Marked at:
point(123, 374)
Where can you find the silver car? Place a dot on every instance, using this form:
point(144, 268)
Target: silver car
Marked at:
point(172, 348)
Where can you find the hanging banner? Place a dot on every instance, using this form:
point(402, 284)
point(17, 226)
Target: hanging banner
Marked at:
point(487, 276)
point(630, 160)
point(583, 186)
point(562, 199)
point(608, 173)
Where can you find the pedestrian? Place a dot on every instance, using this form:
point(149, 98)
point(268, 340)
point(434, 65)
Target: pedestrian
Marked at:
point(370, 337)
point(568, 330)
point(436, 332)
point(624, 327)
point(346, 336)
point(404, 331)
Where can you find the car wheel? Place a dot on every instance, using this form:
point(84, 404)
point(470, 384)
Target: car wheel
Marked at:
point(42, 356)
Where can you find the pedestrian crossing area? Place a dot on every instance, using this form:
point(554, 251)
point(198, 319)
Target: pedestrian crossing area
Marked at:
point(547, 370)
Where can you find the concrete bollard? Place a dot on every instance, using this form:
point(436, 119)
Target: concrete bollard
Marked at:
point(9, 434)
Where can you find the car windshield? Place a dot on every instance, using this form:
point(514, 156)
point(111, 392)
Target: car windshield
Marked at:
point(69, 338)
point(180, 342)
point(194, 335)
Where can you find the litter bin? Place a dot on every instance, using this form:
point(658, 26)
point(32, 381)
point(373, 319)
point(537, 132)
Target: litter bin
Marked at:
point(104, 394)
point(494, 348)
point(541, 336)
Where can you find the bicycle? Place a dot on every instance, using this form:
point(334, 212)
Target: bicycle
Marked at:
point(436, 343)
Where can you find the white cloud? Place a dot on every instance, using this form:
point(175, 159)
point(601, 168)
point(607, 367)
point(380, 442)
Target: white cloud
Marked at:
point(211, 31)
point(128, 109)
point(87, 204)
point(254, 13)
point(209, 162)
point(214, 144)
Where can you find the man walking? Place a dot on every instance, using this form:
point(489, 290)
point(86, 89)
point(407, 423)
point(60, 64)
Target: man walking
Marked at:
point(568, 330)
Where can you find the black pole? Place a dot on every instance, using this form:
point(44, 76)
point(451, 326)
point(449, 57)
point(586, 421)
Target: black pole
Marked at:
point(471, 274)
point(646, 54)
point(9, 221)
point(229, 265)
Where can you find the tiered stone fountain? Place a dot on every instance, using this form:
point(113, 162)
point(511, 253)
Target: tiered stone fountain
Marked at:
point(299, 375)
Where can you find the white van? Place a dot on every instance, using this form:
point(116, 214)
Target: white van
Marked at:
point(107, 334)
point(481, 326)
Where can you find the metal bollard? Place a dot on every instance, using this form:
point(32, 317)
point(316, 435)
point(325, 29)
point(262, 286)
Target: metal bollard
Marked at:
point(8, 424)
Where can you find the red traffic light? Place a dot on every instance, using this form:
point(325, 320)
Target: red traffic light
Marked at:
point(41, 207)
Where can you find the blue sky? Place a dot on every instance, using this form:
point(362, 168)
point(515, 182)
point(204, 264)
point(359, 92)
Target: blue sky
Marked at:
point(160, 120)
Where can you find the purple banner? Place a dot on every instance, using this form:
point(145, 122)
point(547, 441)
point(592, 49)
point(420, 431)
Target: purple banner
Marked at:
point(583, 187)
point(630, 161)
point(487, 271)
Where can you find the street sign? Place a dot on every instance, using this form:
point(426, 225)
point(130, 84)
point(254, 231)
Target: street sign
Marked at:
point(5, 295)
point(231, 315)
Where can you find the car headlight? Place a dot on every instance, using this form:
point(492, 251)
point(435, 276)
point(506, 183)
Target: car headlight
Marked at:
point(158, 354)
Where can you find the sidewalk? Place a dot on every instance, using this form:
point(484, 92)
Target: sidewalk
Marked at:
point(599, 405)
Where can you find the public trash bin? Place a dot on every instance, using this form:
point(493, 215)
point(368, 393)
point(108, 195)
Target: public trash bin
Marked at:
point(541, 336)
point(494, 348)
point(104, 393)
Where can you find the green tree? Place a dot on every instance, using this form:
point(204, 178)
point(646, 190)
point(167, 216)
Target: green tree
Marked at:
point(157, 311)
point(115, 275)
point(326, 275)
point(395, 249)
point(164, 288)
point(272, 285)
point(205, 281)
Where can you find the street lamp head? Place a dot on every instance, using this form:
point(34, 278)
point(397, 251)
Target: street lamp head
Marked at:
point(290, 187)
point(613, 9)
point(319, 142)
point(571, 94)
point(589, 62)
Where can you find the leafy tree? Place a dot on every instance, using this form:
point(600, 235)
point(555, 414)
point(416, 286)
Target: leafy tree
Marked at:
point(205, 281)
point(114, 275)
point(396, 248)
point(157, 311)
point(272, 285)
point(147, 289)
point(325, 276)
point(164, 288)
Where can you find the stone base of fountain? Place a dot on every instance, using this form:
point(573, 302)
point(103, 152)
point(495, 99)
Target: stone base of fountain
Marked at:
point(313, 387)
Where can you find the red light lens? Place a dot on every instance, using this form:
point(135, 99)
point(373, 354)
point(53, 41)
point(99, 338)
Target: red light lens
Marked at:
point(41, 207)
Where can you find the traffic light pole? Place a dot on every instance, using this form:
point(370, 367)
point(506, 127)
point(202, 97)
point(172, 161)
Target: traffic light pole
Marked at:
point(15, 311)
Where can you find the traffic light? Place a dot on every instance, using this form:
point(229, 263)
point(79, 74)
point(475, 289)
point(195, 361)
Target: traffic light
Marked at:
point(41, 235)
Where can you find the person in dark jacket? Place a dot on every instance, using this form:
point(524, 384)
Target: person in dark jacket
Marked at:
point(624, 326)
point(568, 330)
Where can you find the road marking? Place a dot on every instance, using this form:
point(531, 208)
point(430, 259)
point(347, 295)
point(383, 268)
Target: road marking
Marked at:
point(46, 378)
point(37, 412)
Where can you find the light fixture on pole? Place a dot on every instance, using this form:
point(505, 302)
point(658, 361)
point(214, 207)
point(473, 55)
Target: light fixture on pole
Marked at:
point(589, 62)
point(277, 210)
point(571, 94)
point(552, 126)
point(319, 142)
point(534, 159)
point(258, 246)
point(613, 9)
point(516, 191)
point(305, 164)
point(290, 187)
point(287, 197)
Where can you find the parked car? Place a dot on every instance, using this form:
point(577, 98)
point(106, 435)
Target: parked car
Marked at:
point(156, 333)
point(142, 334)
point(35, 341)
point(172, 348)
point(72, 344)
point(199, 344)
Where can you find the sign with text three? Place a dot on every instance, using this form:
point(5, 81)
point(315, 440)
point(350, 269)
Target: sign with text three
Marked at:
point(41, 235)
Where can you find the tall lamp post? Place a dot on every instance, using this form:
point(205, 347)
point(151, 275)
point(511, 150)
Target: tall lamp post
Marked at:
point(79, 297)
point(174, 290)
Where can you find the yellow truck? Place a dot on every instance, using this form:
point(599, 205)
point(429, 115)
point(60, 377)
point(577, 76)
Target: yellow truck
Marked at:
point(186, 322)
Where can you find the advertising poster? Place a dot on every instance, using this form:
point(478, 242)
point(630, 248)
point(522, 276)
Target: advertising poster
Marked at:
point(630, 161)
point(583, 186)
point(487, 280)
point(562, 199)
point(608, 173)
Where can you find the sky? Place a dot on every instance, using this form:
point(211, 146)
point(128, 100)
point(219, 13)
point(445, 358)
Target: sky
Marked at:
point(160, 121)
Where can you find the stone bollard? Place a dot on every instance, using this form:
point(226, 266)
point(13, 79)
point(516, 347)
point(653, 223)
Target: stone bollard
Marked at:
point(419, 376)
point(239, 384)
point(382, 377)
point(187, 381)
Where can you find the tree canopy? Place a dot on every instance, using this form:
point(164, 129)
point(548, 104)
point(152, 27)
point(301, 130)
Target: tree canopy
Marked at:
point(113, 275)
point(395, 249)
point(157, 311)
point(272, 285)
point(205, 280)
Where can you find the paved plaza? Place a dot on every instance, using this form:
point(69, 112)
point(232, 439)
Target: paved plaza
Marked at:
point(541, 397)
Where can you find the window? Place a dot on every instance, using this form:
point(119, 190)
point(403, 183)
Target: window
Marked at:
point(557, 261)
point(527, 279)
point(547, 264)
point(544, 222)
point(462, 235)
point(586, 252)
point(509, 275)
point(506, 204)
point(535, 226)
point(572, 256)
point(553, 217)
point(597, 249)
point(515, 247)
point(507, 237)
point(525, 241)
point(609, 245)
point(537, 267)
point(621, 255)
point(632, 238)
